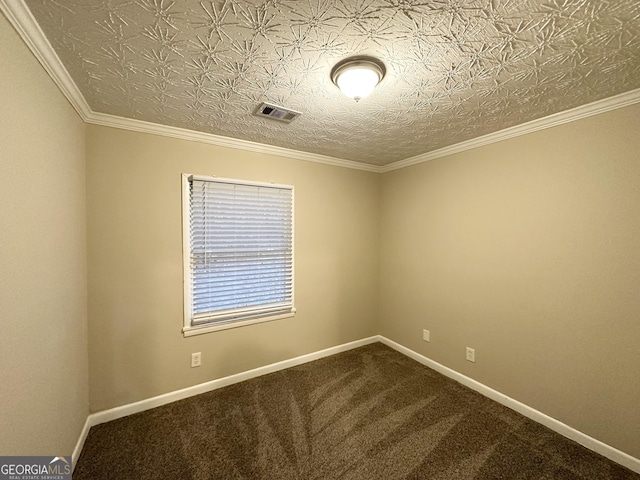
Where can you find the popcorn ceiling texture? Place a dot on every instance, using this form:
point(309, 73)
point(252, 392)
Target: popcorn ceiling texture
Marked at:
point(456, 69)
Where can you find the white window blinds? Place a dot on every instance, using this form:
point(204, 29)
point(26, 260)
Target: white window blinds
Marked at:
point(241, 250)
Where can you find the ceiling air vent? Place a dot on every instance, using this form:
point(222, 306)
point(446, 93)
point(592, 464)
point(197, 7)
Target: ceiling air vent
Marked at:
point(276, 113)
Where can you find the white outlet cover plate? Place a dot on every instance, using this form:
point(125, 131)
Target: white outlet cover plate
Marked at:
point(196, 359)
point(471, 354)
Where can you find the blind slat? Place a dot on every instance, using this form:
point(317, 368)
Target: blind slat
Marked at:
point(231, 285)
point(241, 252)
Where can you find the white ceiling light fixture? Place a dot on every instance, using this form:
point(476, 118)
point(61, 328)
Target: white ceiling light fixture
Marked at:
point(356, 77)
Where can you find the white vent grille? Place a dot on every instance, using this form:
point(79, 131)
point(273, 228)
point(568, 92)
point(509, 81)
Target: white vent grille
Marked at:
point(276, 113)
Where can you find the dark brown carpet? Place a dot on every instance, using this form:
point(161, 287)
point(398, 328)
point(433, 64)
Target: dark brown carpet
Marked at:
point(370, 413)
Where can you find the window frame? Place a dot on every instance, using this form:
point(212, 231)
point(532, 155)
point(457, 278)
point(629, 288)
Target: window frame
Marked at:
point(189, 327)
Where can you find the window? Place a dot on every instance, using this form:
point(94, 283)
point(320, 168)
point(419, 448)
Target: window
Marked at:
point(238, 253)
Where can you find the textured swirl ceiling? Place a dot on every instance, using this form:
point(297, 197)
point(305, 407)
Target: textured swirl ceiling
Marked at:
point(456, 69)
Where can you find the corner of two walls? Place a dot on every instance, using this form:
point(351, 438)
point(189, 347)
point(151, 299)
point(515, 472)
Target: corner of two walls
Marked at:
point(43, 309)
point(525, 250)
point(528, 251)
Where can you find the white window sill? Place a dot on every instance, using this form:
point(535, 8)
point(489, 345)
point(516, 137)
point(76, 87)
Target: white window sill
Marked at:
point(215, 327)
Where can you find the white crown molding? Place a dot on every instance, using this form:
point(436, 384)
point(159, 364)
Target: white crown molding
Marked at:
point(588, 110)
point(27, 27)
point(601, 106)
point(25, 24)
point(185, 134)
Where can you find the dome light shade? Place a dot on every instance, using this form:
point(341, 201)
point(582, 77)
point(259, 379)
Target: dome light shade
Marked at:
point(356, 77)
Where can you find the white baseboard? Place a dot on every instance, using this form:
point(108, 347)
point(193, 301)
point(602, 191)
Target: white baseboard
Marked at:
point(591, 443)
point(149, 403)
point(583, 439)
point(80, 443)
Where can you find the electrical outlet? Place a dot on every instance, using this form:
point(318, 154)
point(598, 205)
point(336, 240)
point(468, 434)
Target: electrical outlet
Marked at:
point(471, 354)
point(196, 359)
point(426, 335)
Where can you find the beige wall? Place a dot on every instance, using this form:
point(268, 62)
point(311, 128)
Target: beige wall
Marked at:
point(137, 349)
point(43, 356)
point(527, 250)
